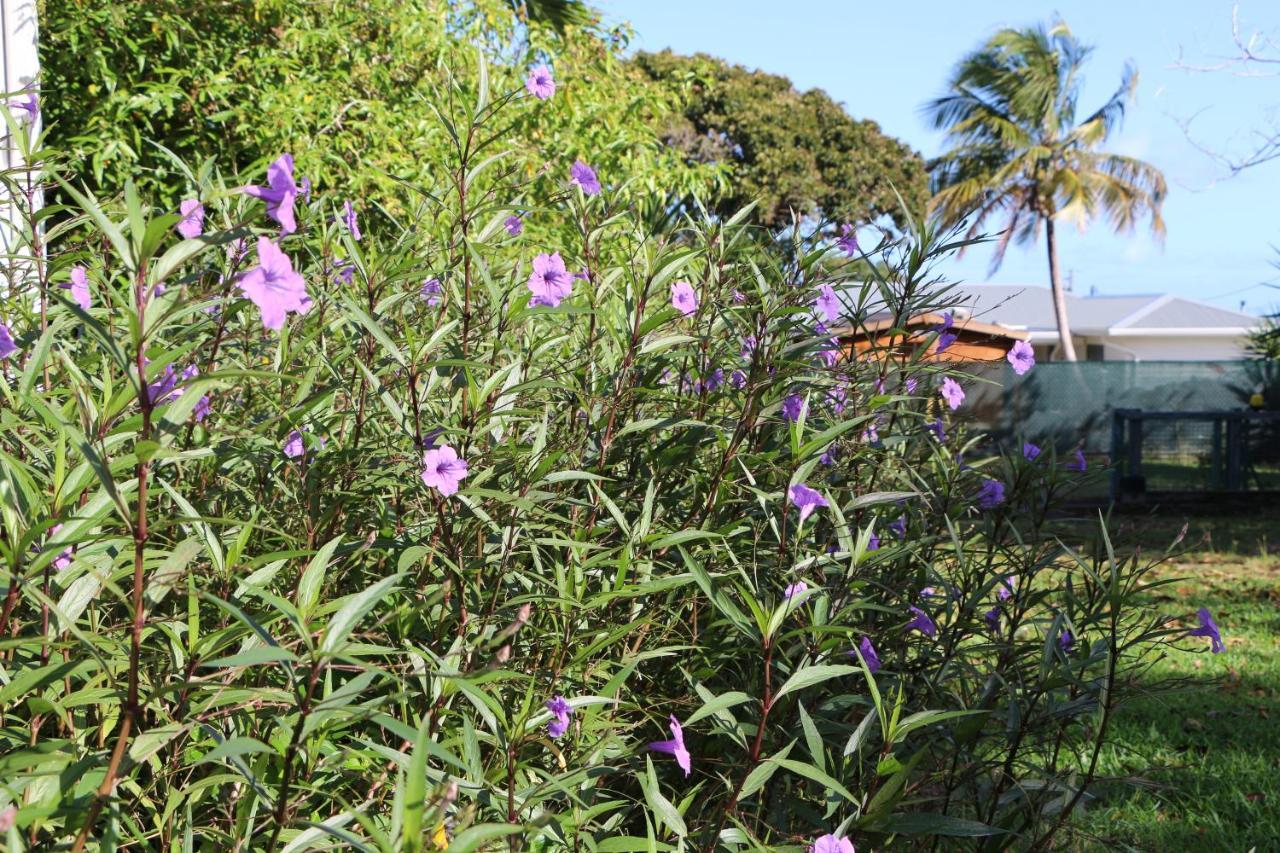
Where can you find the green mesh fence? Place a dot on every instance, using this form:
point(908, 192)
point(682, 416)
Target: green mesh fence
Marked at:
point(1063, 406)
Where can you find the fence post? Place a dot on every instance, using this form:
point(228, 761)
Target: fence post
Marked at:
point(1234, 479)
point(1117, 445)
point(1135, 443)
point(1215, 457)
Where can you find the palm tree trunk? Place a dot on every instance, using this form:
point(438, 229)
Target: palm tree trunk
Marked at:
point(1066, 348)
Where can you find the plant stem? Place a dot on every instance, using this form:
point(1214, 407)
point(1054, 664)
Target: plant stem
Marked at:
point(131, 712)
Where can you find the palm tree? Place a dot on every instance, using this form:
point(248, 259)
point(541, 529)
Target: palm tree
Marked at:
point(1017, 152)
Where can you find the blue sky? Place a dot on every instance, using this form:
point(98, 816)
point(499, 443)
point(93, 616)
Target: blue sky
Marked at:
point(882, 60)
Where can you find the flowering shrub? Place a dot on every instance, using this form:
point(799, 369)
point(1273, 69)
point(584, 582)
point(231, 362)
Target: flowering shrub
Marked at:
point(419, 533)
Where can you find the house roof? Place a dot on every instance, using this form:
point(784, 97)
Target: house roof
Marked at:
point(1030, 307)
point(882, 320)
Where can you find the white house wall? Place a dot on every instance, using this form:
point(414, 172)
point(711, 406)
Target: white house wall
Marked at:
point(1173, 348)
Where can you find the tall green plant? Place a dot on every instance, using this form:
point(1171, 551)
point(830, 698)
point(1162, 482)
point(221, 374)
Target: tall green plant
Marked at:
point(317, 537)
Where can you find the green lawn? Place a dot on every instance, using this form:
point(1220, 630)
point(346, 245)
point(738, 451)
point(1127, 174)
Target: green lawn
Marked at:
point(1206, 761)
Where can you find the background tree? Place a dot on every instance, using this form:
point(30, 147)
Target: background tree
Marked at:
point(350, 89)
point(1016, 150)
point(789, 150)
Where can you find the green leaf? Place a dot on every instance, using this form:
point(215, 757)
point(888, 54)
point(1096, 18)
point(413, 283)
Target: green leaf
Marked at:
point(313, 577)
point(762, 772)
point(235, 747)
point(355, 608)
point(474, 837)
point(660, 805)
point(718, 704)
point(811, 675)
point(925, 823)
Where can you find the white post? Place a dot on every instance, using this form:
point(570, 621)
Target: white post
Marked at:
point(19, 70)
point(20, 59)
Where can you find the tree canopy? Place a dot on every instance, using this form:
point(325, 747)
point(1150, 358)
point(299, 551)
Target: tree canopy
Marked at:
point(788, 149)
point(350, 89)
point(1018, 152)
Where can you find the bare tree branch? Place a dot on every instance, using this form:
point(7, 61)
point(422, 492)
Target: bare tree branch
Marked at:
point(1257, 55)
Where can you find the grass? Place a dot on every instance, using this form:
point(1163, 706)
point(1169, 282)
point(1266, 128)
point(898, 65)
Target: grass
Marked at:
point(1203, 764)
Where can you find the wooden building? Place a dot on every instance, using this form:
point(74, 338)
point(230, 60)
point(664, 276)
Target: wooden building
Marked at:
point(975, 341)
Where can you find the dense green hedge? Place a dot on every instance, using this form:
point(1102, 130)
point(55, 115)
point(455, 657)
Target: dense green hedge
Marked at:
point(312, 538)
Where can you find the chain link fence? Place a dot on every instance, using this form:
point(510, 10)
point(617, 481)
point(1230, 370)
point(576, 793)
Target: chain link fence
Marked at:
point(1201, 426)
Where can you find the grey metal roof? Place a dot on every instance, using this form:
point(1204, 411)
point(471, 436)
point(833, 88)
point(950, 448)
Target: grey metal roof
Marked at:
point(1031, 307)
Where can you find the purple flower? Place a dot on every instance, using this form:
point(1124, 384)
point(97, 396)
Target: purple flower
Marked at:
point(561, 711)
point(848, 241)
point(1022, 357)
point(582, 175)
point(991, 494)
point(79, 287)
point(873, 544)
point(273, 285)
point(237, 249)
point(1004, 590)
point(1030, 452)
point(443, 470)
point(28, 103)
point(739, 297)
point(793, 407)
point(684, 299)
point(191, 225)
point(431, 291)
point(992, 617)
point(829, 357)
point(827, 304)
point(945, 336)
point(935, 426)
point(165, 387)
point(63, 559)
point(738, 379)
point(836, 398)
point(829, 455)
point(806, 499)
point(279, 194)
point(304, 188)
point(540, 83)
point(794, 589)
point(749, 344)
point(349, 219)
point(293, 446)
point(714, 380)
point(1208, 628)
point(899, 527)
point(869, 655)
point(201, 410)
point(1066, 641)
point(910, 385)
point(922, 622)
point(549, 282)
point(346, 271)
point(832, 844)
point(1078, 462)
point(675, 746)
point(871, 434)
point(514, 225)
point(7, 346)
point(952, 393)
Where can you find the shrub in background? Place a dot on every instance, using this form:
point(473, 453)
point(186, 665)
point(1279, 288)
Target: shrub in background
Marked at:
point(434, 534)
point(343, 86)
